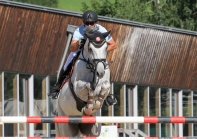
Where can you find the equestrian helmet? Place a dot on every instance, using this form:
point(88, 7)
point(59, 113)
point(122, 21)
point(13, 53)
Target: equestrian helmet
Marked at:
point(89, 16)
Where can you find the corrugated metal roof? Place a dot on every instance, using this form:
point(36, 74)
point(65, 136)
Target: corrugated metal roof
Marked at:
point(33, 40)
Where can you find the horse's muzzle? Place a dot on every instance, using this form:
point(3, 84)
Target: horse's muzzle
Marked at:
point(100, 65)
point(100, 70)
point(100, 74)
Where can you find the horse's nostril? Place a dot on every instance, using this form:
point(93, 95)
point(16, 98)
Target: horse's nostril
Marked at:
point(100, 75)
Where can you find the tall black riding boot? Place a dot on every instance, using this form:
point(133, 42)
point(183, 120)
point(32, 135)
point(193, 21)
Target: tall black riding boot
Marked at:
point(56, 89)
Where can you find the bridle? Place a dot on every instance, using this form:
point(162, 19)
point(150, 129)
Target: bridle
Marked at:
point(92, 66)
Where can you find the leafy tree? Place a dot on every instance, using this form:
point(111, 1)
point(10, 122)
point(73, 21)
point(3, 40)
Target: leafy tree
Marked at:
point(48, 3)
point(101, 7)
point(180, 14)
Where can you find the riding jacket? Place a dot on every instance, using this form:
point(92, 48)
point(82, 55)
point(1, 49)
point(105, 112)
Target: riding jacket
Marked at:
point(78, 35)
point(79, 32)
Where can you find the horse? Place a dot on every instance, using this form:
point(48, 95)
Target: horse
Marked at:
point(88, 87)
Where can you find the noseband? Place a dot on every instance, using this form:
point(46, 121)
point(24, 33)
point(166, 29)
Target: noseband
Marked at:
point(96, 61)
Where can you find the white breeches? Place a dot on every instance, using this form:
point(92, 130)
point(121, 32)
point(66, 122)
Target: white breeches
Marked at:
point(70, 58)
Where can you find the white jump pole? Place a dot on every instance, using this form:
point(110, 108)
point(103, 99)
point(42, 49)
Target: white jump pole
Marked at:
point(73, 138)
point(96, 138)
point(66, 119)
point(94, 119)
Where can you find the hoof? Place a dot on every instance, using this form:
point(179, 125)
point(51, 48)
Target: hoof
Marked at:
point(87, 111)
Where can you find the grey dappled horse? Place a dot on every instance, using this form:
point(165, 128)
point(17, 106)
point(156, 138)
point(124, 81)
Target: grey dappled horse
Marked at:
point(88, 87)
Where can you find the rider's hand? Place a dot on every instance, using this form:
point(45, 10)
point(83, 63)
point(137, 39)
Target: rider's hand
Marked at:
point(81, 43)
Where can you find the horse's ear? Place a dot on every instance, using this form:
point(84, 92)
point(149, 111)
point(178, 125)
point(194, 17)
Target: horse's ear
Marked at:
point(106, 34)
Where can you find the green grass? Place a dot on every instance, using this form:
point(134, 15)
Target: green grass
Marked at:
point(73, 5)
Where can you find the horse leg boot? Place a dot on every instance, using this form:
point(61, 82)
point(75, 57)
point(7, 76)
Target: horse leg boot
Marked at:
point(111, 99)
point(105, 88)
point(56, 89)
point(88, 109)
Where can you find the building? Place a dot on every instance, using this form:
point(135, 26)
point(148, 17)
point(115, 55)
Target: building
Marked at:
point(153, 72)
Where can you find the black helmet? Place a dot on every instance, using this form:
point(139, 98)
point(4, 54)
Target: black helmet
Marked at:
point(89, 16)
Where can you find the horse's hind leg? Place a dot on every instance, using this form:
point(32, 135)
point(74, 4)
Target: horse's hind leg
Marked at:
point(70, 130)
point(57, 130)
point(90, 129)
point(59, 112)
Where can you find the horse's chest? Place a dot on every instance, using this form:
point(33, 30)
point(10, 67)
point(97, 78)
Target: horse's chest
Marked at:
point(83, 89)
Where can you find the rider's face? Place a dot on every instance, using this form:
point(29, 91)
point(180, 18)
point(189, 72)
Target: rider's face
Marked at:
point(90, 24)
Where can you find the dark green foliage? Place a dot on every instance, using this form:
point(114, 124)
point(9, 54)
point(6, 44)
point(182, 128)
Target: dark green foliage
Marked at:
point(48, 3)
point(9, 85)
point(174, 13)
point(102, 7)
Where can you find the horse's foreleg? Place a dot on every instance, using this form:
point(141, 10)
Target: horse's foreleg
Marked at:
point(87, 110)
point(102, 95)
point(84, 89)
point(84, 92)
point(81, 90)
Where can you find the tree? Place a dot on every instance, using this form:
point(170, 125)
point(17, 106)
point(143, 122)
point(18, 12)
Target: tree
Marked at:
point(101, 7)
point(180, 14)
point(48, 3)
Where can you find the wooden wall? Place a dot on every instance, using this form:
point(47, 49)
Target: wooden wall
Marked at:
point(33, 41)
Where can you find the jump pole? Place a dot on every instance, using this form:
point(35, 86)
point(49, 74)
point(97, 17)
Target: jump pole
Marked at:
point(96, 119)
point(97, 138)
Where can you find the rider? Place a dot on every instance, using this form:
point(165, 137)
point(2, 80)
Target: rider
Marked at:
point(89, 19)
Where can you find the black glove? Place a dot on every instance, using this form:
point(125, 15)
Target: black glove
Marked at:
point(81, 43)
